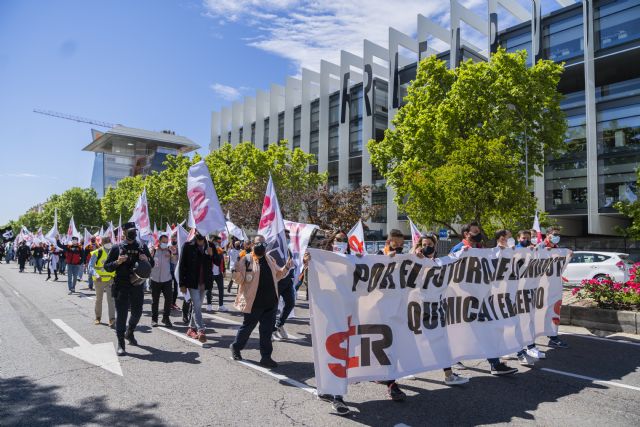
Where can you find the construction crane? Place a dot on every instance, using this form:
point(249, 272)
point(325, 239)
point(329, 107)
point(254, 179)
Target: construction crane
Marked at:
point(75, 118)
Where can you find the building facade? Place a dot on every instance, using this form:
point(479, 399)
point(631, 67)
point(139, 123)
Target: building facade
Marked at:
point(334, 112)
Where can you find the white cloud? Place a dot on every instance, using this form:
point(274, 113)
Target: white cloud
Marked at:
point(228, 93)
point(27, 175)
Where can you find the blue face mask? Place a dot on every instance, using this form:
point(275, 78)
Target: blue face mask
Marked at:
point(555, 239)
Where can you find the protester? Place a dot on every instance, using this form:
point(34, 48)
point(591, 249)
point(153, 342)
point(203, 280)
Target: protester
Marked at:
point(218, 274)
point(472, 238)
point(426, 248)
point(37, 253)
point(288, 295)
point(131, 262)
point(73, 260)
point(161, 279)
point(551, 241)
point(504, 239)
point(2, 251)
point(103, 280)
point(87, 257)
point(257, 275)
point(174, 281)
point(9, 252)
point(52, 263)
point(196, 276)
point(234, 254)
point(23, 255)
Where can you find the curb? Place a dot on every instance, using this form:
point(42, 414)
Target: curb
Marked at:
point(601, 319)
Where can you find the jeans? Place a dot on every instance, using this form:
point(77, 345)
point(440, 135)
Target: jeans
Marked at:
point(196, 309)
point(158, 288)
point(72, 276)
point(101, 289)
point(80, 271)
point(267, 318)
point(127, 296)
point(38, 264)
point(288, 295)
point(61, 265)
point(220, 282)
point(90, 280)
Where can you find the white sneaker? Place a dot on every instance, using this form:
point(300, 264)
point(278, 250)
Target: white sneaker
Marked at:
point(409, 377)
point(209, 308)
point(222, 308)
point(455, 379)
point(534, 352)
point(276, 335)
point(526, 360)
point(282, 332)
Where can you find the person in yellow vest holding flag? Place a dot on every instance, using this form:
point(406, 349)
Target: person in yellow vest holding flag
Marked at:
point(102, 279)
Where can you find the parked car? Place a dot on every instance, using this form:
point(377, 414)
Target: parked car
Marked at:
point(596, 265)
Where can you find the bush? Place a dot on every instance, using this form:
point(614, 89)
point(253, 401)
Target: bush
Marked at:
point(610, 294)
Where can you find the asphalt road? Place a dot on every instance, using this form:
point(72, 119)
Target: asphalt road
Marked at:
point(169, 380)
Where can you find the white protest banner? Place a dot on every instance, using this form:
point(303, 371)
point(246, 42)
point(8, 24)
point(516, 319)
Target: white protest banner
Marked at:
point(141, 216)
point(182, 237)
point(356, 238)
point(272, 225)
point(299, 236)
point(52, 235)
point(203, 201)
point(382, 318)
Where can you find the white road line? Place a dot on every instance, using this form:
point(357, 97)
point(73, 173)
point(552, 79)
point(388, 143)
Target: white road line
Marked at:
point(279, 377)
point(600, 338)
point(180, 335)
point(594, 380)
point(72, 334)
point(235, 322)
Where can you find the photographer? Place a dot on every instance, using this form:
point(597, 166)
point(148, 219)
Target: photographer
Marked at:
point(132, 264)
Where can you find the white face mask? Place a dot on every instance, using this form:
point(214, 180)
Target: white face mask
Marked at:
point(534, 240)
point(555, 239)
point(511, 242)
point(107, 246)
point(340, 247)
point(164, 245)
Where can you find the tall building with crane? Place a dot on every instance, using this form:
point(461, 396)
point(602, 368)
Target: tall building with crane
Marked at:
point(123, 151)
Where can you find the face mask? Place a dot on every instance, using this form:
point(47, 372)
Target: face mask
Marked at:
point(131, 235)
point(398, 250)
point(525, 243)
point(511, 242)
point(164, 245)
point(259, 249)
point(428, 250)
point(174, 243)
point(340, 247)
point(74, 242)
point(107, 246)
point(534, 240)
point(477, 238)
point(555, 239)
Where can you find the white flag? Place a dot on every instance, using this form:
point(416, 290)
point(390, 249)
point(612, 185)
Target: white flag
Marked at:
point(235, 231)
point(39, 237)
point(415, 233)
point(141, 216)
point(52, 235)
point(272, 225)
point(299, 236)
point(72, 231)
point(87, 237)
point(356, 239)
point(169, 231)
point(182, 236)
point(203, 200)
point(536, 227)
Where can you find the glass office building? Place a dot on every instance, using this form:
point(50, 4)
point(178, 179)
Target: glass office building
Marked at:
point(124, 151)
point(332, 113)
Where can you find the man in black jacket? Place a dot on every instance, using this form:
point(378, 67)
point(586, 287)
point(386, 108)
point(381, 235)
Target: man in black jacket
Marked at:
point(23, 255)
point(196, 276)
point(127, 290)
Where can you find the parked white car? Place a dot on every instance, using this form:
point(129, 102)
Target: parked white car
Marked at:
point(595, 265)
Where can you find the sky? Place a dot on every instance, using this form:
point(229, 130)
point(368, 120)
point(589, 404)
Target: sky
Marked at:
point(160, 64)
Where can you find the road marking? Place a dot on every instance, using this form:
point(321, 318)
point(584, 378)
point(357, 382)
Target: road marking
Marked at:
point(279, 377)
point(16, 292)
point(235, 322)
point(180, 335)
point(600, 338)
point(594, 380)
point(102, 355)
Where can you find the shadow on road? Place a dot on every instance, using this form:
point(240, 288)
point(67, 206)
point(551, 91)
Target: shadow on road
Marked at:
point(163, 356)
point(26, 403)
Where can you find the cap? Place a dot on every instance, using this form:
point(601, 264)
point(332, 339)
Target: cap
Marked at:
point(129, 225)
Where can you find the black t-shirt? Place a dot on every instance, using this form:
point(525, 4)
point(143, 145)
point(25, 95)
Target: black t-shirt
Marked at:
point(266, 297)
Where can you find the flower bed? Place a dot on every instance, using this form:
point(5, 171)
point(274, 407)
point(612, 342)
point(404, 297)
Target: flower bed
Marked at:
point(607, 293)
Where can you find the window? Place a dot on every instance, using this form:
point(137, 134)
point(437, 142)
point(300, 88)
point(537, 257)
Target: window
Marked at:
point(333, 143)
point(355, 122)
point(314, 143)
point(334, 109)
point(315, 116)
point(617, 22)
point(297, 118)
point(240, 135)
point(518, 41)
point(355, 172)
point(253, 133)
point(563, 39)
point(406, 75)
point(229, 137)
point(265, 138)
point(332, 169)
point(280, 126)
point(380, 97)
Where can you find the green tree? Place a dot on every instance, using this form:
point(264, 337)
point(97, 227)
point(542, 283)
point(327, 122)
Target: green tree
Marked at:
point(632, 211)
point(457, 153)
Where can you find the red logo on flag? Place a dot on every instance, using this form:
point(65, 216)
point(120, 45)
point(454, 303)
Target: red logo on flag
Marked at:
point(199, 208)
point(268, 214)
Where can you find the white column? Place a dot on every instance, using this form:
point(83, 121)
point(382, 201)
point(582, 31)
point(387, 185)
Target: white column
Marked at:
point(262, 112)
point(594, 226)
point(248, 117)
point(460, 13)
point(310, 91)
point(292, 98)
point(215, 130)
point(236, 122)
point(329, 81)
point(276, 105)
point(347, 60)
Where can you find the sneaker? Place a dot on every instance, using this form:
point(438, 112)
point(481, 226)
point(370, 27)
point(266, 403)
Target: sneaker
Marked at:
point(154, 323)
point(112, 322)
point(268, 363)
point(339, 406)
point(130, 337)
point(276, 335)
point(502, 369)
point(70, 293)
point(557, 343)
point(121, 347)
point(191, 333)
point(455, 379)
point(536, 353)
point(223, 308)
point(460, 366)
point(526, 360)
point(167, 323)
point(325, 397)
point(209, 307)
point(235, 354)
point(283, 332)
point(394, 392)
point(96, 322)
point(202, 337)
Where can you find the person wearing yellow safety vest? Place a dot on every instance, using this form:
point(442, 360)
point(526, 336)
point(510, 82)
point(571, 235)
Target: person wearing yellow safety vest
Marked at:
point(103, 280)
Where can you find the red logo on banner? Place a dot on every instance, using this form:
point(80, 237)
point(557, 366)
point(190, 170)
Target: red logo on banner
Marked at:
point(356, 244)
point(199, 208)
point(268, 214)
point(335, 349)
